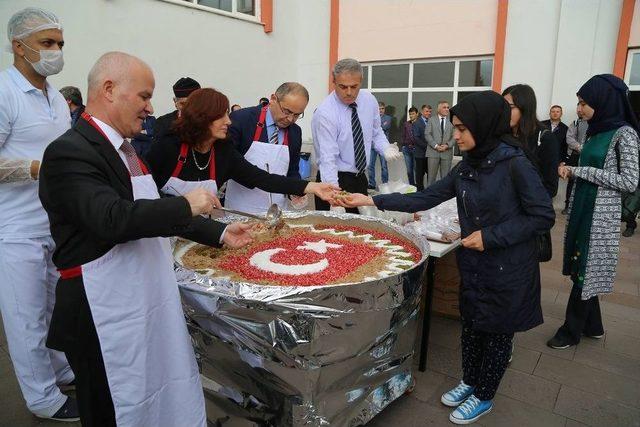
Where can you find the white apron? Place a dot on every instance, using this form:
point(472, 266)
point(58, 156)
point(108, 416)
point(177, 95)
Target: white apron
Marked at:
point(260, 154)
point(148, 357)
point(178, 187)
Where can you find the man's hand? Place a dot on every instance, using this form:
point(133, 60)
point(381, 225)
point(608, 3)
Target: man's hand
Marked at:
point(353, 200)
point(201, 201)
point(392, 153)
point(324, 190)
point(474, 241)
point(236, 235)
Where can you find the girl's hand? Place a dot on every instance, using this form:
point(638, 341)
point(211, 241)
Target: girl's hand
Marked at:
point(474, 241)
point(564, 171)
point(353, 200)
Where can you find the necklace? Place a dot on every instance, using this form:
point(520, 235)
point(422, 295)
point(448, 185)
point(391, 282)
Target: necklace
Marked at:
point(195, 161)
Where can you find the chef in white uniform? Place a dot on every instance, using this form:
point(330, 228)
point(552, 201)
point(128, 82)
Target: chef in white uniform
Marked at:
point(32, 114)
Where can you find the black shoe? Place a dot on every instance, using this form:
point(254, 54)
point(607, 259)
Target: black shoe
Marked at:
point(595, 337)
point(371, 187)
point(68, 413)
point(67, 387)
point(628, 232)
point(558, 344)
point(564, 211)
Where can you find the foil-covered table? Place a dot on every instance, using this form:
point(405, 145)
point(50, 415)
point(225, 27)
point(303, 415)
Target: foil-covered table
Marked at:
point(304, 356)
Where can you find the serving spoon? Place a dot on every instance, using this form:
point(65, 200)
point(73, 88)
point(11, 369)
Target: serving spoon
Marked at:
point(272, 218)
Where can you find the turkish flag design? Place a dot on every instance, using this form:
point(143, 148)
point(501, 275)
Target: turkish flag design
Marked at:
point(304, 259)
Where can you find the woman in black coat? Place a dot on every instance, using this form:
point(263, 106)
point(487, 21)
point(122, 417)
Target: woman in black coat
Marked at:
point(541, 144)
point(502, 205)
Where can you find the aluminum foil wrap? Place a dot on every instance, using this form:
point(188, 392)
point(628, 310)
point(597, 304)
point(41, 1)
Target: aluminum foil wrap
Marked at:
point(304, 355)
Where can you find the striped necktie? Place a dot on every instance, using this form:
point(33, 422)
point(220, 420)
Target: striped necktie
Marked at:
point(358, 140)
point(273, 139)
point(132, 158)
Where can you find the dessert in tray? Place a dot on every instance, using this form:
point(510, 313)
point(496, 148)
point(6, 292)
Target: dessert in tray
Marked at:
point(307, 252)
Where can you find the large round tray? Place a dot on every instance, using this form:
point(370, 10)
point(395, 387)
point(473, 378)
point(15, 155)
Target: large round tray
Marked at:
point(305, 355)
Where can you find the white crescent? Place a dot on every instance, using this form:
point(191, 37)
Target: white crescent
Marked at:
point(262, 261)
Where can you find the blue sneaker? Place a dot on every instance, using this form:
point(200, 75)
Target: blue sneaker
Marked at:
point(457, 395)
point(472, 409)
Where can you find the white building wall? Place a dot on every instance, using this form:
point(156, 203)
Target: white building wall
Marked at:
point(556, 45)
point(530, 47)
point(634, 36)
point(234, 56)
point(581, 54)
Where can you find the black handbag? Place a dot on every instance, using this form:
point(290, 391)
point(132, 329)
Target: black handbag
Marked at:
point(544, 249)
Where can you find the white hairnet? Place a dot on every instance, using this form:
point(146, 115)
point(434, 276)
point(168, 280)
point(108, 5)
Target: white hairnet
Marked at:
point(31, 20)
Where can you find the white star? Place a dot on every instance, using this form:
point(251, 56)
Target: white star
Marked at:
point(319, 247)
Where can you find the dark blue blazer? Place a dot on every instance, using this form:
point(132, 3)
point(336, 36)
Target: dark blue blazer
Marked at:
point(243, 127)
point(418, 133)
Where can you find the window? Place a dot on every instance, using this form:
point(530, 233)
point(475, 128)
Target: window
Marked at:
point(433, 74)
point(216, 4)
point(401, 85)
point(632, 79)
point(247, 10)
point(476, 73)
point(386, 76)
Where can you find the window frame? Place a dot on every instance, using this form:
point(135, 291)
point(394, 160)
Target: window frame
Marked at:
point(193, 4)
point(455, 88)
point(410, 90)
point(627, 71)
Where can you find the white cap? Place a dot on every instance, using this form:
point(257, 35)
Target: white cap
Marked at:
point(31, 20)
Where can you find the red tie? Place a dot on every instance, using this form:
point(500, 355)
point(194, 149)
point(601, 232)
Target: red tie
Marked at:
point(132, 158)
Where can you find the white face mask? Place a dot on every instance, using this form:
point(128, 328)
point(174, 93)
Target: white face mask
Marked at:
point(51, 61)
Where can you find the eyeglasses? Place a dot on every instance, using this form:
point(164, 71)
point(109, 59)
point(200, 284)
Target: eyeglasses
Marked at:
point(288, 112)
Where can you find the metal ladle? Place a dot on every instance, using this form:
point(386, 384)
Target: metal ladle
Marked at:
point(274, 213)
point(272, 218)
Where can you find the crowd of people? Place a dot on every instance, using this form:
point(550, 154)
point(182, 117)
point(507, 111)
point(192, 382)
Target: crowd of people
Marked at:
point(89, 193)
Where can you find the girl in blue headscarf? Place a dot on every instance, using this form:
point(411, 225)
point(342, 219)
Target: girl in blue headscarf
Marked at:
point(608, 167)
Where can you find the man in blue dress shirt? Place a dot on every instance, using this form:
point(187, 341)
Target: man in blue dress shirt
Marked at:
point(345, 127)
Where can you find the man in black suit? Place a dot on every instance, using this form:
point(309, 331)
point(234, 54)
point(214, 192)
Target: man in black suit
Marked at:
point(559, 129)
point(420, 152)
point(277, 128)
point(116, 318)
point(181, 90)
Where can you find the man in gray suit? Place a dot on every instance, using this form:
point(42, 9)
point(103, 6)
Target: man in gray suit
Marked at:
point(439, 136)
